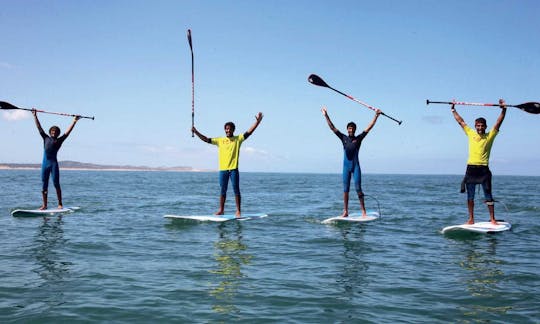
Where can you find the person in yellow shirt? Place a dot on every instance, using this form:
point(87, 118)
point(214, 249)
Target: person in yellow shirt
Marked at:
point(228, 154)
point(478, 172)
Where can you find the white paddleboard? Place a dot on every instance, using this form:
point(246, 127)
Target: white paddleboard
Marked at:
point(216, 218)
point(42, 212)
point(480, 227)
point(354, 217)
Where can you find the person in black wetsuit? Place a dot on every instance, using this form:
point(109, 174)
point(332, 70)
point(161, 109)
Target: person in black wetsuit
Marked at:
point(51, 145)
point(351, 164)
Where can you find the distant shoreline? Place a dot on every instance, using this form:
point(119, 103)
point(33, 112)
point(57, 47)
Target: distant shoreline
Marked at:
point(79, 166)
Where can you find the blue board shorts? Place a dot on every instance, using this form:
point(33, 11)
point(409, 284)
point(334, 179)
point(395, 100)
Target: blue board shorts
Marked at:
point(234, 176)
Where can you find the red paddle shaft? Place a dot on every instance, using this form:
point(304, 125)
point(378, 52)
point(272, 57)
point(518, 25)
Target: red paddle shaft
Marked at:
point(530, 107)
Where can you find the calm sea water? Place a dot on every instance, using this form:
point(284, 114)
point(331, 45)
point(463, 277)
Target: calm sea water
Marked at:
point(118, 260)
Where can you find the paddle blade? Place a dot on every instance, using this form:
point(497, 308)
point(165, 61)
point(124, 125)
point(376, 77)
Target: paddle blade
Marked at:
point(316, 80)
point(7, 105)
point(189, 39)
point(530, 107)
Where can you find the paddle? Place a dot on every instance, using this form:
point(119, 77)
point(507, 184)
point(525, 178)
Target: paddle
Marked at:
point(192, 82)
point(318, 81)
point(530, 107)
point(7, 106)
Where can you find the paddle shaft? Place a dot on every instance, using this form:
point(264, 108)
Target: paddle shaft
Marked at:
point(462, 103)
point(530, 107)
point(45, 112)
point(318, 81)
point(364, 104)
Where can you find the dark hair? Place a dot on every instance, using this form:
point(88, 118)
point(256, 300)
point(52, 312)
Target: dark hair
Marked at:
point(55, 127)
point(351, 124)
point(481, 120)
point(231, 125)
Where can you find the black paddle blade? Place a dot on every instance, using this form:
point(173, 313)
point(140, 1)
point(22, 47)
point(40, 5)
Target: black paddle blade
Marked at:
point(530, 107)
point(316, 80)
point(189, 38)
point(7, 105)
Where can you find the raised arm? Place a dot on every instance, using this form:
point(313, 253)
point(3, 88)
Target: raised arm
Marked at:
point(370, 126)
point(38, 125)
point(499, 121)
point(458, 118)
point(199, 135)
point(328, 121)
point(253, 127)
point(70, 128)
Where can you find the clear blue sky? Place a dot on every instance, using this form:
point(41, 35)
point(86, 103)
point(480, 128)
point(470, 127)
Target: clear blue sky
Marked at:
point(128, 64)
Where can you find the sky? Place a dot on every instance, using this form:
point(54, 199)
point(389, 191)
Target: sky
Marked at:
point(128, 64)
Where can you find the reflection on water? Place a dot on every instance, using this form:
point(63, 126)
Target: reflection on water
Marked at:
point(352, 276)
point(52, 270)
point(230, 254)
point(483, 277)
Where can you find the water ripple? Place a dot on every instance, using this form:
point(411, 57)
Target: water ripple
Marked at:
point(118, 260)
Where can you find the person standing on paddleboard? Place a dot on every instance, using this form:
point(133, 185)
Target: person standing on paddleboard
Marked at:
point(478, 172)
point(351, 164)
point(52, 144)
point(228, 154)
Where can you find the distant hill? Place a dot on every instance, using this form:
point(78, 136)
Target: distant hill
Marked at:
point(73, 165)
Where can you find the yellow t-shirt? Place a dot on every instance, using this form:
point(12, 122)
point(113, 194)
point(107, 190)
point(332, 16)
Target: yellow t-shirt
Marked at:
point(479, 146)
point(228, 151)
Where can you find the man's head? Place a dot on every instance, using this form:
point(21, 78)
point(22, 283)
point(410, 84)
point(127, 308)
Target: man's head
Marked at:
point(54, 131)
point(351, 128)
point(480, 125)
point(229, 129)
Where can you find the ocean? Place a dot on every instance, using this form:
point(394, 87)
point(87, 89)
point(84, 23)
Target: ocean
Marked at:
point(118, 260)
